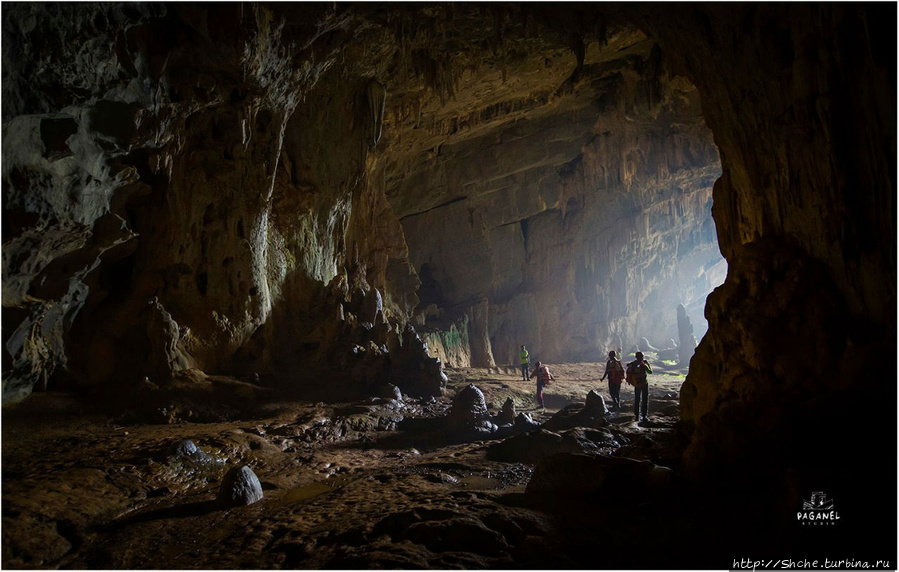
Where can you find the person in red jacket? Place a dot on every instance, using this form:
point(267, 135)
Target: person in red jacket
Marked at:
point(615, 373)
point(543, 378)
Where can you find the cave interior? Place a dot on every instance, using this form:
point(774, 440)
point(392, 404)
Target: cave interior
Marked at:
point(267, 268)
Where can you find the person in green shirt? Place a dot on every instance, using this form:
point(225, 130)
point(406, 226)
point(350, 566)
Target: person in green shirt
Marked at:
point(525, 359)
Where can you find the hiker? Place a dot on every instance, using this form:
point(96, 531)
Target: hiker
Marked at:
point(525, 359)
point(543, 378)
point(615, 373)
point(636, 376)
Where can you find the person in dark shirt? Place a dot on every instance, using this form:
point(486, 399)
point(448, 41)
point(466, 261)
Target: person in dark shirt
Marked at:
point(636, 374)
point(615, 373)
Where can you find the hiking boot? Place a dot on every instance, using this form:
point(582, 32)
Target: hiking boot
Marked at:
point(636, 418)
point(644, 420)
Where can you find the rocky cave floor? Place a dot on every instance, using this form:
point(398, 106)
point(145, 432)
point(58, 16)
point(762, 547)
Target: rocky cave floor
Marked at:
point(376, 483)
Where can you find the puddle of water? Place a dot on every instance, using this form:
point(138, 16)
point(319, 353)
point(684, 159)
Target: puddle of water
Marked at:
point(480, 483)
point(306, 492)
point(314, 489)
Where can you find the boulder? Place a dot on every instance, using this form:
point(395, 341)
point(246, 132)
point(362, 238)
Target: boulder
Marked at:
point(669, 354)
point(524, 421)
point(526, 448)
point(469, 409)
point(584, 440)
point(579, 415)
point(240, 487)
point(595, 478)
point(187, 449)
point(389, 391)
point(595, 404)
point(536, 445)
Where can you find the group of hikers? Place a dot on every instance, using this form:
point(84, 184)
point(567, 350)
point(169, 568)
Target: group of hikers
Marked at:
point(635, 373)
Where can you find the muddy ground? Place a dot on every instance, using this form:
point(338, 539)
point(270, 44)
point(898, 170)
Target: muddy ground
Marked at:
point(370, 484)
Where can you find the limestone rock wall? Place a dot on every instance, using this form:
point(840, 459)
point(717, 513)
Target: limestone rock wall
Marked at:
point(174, 196)
point(805, 214)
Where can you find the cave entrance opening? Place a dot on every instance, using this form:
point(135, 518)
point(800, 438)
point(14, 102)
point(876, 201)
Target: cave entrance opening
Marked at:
point(555, 201)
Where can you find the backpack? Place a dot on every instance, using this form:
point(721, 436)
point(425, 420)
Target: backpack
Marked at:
point(543, 375)
point(616, 372)
point(636, 374)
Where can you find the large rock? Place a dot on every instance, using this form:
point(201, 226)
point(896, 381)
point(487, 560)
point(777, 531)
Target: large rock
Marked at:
point(595, 404)
point(589, 414)
point(533, 446)
point(596, 478)
point(525, 421)
point(583, 440)
point(240, 486)
point(187, 449)
point(469, 410)
point(526, 448)
point(372, 304)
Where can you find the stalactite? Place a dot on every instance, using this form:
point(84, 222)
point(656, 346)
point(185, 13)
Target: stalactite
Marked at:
point(375, 95)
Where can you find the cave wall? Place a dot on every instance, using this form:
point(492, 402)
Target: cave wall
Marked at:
point(179, 190)
point(805, 213)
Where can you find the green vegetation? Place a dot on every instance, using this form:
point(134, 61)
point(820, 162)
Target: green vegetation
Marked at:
point(456, 338)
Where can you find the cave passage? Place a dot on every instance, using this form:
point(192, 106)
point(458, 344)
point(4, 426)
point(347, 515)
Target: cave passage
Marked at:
point(572, 224)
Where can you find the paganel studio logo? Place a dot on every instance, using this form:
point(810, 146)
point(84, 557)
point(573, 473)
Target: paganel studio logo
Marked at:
point(818, 511)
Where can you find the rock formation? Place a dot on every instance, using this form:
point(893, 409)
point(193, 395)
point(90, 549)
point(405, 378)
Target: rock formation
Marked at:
point(804, 212)
point(469, 411)
point(595, 478)
point(506, 415)
point(685, 334)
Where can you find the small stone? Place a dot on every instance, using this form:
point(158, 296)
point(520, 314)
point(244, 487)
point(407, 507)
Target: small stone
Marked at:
point(240, 486)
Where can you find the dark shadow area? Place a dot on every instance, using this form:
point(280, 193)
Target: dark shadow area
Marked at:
point(556, 401)
point(187, 510)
